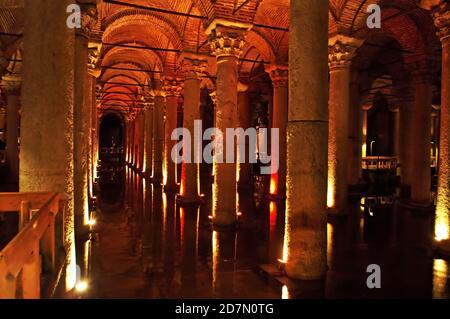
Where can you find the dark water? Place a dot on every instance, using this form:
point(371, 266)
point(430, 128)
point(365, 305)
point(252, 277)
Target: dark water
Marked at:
point(146, 246)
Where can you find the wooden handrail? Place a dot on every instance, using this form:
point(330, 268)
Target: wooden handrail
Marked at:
point(22, 254)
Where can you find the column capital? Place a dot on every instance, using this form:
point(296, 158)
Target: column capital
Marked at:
point(227, 38)
point(94, 49)
point(213, 96)
point(193, 66)
point(441, 16)
point(172, 86)
point(89, 18)
point(278, 75)
point(341, 50)
point(12, 85)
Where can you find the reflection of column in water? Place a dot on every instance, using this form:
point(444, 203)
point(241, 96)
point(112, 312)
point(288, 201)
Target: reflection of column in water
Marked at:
point(204, 233)
point(157, 227)
point(147, 230)
point(189, 237)
point(169, 206)
point(440, 279)
point(223, 261)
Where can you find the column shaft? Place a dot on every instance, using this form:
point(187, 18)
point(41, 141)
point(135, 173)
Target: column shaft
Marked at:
point(47, 111)
point(190, 170)
point(148, 140)
point(12, 135)
point(306, 217)
point(421, 115)
point(170, 176)
point(80, 133)
point(158, 139)
point(224, 188)
point(244, 121)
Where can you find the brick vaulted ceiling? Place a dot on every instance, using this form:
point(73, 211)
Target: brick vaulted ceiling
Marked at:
point(174, 26)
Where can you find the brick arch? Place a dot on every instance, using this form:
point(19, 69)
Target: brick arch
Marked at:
point(148, 21)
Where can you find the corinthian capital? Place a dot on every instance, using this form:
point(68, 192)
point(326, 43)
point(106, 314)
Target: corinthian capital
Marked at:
point(341, 50)
point(227, 38)
point(89, 19)
point(278, 75)
point(441, 16)
point(193, 67)
point(172, 86)
point(93, 56)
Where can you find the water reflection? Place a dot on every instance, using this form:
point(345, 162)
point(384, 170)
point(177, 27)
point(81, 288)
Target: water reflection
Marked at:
point(177, 253)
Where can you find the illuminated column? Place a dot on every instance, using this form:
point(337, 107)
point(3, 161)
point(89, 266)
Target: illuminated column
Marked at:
point(396, 110)
point(355, 133)
point(12, 89)
point(341, 51)
point(81, 117)
point(46, 146)
point(442, 223)
point(141, 140)
point(226, 43)
point(279, 76)
point(406, 144)
point(305, 244)
point(148, 109)
point(421, 135)
point(158, 136)
point(365, 109)
point(172, 91)
point(244, 118)
point(95, 141)
point(190, 169)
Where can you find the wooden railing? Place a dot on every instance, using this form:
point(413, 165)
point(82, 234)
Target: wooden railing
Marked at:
point(21, 257)
point(379, 163)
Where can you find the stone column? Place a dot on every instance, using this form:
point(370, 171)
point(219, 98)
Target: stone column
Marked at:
point(12, 89)
point(279, 76)
point(421, 135)
point(442, 219)
point(140, 140)
point(305, 244)
point(341, 51)
point(365, 108)
point(244, 117)
point(193, 68)
point(158, 137)
point(355, 133)
point(81, 116)
point(396, 110)
point(226, 43)
point(95, 141)
point(172, 90)
point(46, 150)
point(148, 109)
point(406, 143)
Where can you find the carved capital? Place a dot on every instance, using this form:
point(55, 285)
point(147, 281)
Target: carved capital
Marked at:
point(441, 16)
point(93, 56)
point(227, 41)
point(89, 19)
point(279, 75)
point(172, 86)
point(341, 50)
point(213, 96)
point(11, 85)
point(193, 68)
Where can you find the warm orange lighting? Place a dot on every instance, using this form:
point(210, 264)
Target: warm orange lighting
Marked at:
point(91, 222)
point(81, 286)
point(330, 192)
point(441, 228)
point(285, 292)
point(440, 274)
point(274, 184)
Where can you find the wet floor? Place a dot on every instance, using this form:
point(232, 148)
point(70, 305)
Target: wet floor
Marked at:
point(146, 246)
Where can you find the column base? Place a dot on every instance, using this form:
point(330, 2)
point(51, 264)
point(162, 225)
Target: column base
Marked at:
point(224, 222)
point(277, 197)
point(442, 247)
point(186, 201)
point(296, 288)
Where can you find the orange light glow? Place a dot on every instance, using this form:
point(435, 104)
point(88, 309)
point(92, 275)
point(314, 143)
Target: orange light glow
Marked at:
point(274, 184)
